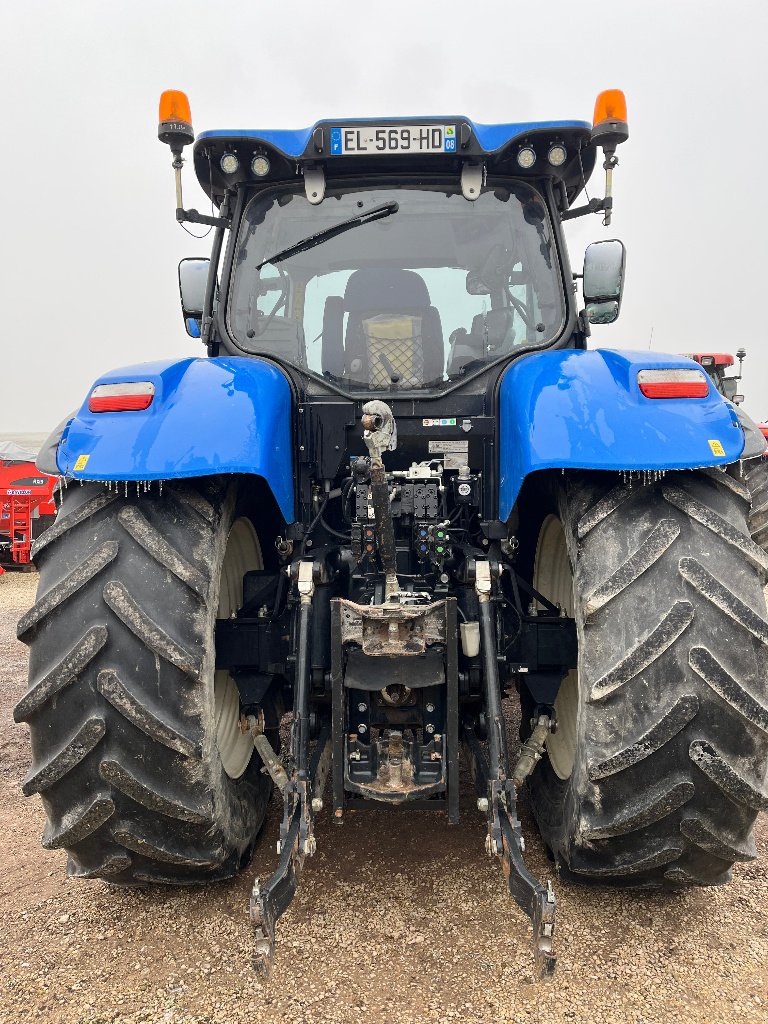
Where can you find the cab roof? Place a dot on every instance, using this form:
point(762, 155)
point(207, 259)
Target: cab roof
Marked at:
point(712, 358)
point(496, 145)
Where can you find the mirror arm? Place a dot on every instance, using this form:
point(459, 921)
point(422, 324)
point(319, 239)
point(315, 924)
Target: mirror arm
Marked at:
point(593, 206)
point(193, 217)
point(604, 205)
point(584, 325)
point(213, 267)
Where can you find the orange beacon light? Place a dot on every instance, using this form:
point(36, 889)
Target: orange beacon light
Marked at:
point(175, 127)
point(609, 125)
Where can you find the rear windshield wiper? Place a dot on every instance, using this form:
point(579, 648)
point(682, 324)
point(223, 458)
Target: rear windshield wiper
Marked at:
point(377, 213)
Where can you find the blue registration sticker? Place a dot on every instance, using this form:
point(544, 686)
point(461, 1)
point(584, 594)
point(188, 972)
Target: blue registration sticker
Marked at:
point(450, 139)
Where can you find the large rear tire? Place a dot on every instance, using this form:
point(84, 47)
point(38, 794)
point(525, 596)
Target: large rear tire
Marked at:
point(136, 751)
point(756, 479)
point(658, 766)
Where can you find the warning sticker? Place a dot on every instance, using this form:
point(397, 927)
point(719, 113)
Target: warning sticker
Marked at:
point(455, 453)
point(444, 422)
point(448, 446)
point(717, 448)
point(82, 462)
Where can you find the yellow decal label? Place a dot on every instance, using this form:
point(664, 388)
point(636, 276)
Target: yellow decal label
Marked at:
point(82, 462)
point(717, 448)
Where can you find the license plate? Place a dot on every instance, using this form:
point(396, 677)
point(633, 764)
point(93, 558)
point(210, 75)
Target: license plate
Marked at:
point(406, 138)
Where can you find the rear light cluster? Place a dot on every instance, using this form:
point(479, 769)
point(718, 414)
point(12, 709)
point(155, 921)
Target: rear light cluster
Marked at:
point(673, 383)
point(764, 428)
point(129, 397)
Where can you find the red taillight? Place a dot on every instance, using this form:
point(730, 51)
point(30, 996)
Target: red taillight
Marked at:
point(130, 397)
point(674, 389)
point(764, 428)
point(673, 383)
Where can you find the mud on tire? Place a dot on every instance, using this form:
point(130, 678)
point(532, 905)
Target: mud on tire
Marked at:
point(120, 702)
point(671, 732)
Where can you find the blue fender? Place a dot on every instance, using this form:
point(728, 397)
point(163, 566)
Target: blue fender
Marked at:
point(223, 415)
point(572, 409)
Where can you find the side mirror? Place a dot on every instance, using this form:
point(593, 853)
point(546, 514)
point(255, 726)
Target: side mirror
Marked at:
point(603, 280)
point(730, 388)
point(193, 279)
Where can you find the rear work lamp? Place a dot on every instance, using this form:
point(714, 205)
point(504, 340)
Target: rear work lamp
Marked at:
point(673, 383)
point(129, 397)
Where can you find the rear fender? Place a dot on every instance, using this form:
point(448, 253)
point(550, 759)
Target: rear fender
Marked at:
point(584, 410)
point(222, 415)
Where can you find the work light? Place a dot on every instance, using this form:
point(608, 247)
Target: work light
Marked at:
point(526, 157)
point(229, 163)
point(557, 155)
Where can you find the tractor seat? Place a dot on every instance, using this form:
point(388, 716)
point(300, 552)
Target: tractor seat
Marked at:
point(392, 330)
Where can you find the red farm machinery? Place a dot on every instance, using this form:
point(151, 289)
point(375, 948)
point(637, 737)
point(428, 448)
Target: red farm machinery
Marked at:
point(717, 365)
point(27, 504)
point(720, 367)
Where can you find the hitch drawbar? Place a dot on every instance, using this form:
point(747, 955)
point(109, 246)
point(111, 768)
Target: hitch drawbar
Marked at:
point(392, 769)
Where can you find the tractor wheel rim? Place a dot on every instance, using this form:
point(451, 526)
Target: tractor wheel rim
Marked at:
point(242, 554)
point(553, 578)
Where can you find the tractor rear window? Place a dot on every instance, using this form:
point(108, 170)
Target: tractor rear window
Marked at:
point(388, 289)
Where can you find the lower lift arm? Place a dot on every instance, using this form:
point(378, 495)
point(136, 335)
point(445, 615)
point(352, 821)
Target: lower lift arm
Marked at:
point(505, 837)
point(301, 791)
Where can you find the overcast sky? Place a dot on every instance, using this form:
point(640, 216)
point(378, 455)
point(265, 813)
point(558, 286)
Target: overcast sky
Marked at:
point(90, 244)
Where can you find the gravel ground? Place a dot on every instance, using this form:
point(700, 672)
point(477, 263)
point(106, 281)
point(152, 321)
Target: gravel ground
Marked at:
point(398, 917)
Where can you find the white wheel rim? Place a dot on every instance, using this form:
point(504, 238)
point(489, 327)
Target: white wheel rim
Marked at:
point(242, 554)
point(553, 578)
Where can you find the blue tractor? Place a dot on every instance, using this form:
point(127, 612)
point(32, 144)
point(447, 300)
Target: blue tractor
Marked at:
point(395, 494)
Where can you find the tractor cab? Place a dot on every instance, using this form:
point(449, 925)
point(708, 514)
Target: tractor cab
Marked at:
point(395, 289)
point(399, 256)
